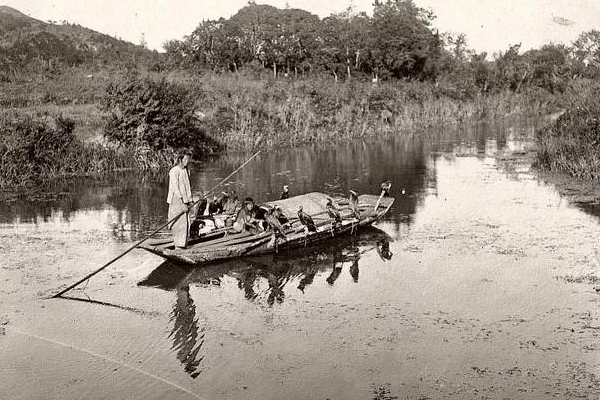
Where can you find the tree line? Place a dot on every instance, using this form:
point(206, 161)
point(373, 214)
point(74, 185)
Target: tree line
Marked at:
point(396, 42)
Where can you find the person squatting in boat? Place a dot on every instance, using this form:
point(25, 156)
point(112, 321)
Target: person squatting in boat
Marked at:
point(214, 207)
point(246, 219)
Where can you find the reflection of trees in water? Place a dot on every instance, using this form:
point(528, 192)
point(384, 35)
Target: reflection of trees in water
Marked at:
point(140, 199)
point(335, 169)
point(187, 337)
point(330, 169)
point(140, 203)
point(143, 204)
point(591, 207)
point(137, 200)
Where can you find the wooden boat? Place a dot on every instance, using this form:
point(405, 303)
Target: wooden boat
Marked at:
point(218, 244)
point(295, 264)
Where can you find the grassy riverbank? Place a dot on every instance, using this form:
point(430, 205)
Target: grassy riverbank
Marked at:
point(247, 113)
point(35, 150)
point(227, 112)
point(571, 144)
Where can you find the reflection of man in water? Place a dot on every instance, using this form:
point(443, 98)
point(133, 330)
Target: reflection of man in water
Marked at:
point(185, 333)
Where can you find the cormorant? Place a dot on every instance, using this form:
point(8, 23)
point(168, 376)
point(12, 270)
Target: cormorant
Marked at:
point(273, 221)
point(306, 220)
point(334, 214)
point(353, 202)
point(278, 212)
point(385, 188)
point(286, 193)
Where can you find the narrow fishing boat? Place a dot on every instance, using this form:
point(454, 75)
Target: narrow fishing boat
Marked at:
point(221, 244)
point(294, 263)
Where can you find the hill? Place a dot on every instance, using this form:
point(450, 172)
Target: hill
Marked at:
point(26, 42)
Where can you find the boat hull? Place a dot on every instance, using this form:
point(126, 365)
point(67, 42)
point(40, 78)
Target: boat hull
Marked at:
point(242, 245)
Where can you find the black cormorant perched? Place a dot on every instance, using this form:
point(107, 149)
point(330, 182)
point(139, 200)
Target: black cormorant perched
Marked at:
point(385, 188)
point(306, 220)
point(273, 221)
point(334, 214)
point(353, 202)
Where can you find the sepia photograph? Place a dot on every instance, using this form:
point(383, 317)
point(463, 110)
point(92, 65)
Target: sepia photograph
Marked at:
point(298, 200)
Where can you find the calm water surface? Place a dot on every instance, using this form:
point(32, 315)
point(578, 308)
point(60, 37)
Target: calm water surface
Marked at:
point(472, 287)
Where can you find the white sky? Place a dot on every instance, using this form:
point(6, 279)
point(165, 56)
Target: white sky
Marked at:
point(490, 25)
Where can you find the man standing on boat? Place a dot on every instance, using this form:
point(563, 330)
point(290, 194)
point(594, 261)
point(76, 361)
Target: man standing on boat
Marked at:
point(180, 199)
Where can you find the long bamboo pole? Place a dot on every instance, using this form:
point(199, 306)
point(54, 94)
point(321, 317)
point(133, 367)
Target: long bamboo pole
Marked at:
point(88, 276)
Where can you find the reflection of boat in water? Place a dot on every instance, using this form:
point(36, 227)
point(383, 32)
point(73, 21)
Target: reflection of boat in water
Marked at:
point(295, 267)
point(217, 245)
point(277, 269)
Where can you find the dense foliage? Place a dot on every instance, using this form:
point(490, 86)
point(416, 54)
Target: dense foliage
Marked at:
point(160, 115)
point(266, 77)
point(246, 113)
point(36, 148)
point(572, 143)
point(396, 42)
point(33, 147)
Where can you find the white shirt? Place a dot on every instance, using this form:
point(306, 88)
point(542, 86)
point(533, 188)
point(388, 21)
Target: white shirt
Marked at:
point(179, 185)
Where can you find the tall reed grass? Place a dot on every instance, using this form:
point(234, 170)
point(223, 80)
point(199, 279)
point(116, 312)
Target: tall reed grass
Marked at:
point(245, 113)
point(572, 143)
point(33, 150)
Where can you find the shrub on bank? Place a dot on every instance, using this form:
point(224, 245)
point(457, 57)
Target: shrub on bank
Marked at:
point(35, 149)
point(572, 143)
point(31, 147)
point(160, 115)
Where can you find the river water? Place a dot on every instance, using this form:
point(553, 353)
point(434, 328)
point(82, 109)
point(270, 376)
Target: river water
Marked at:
point(479, 283)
